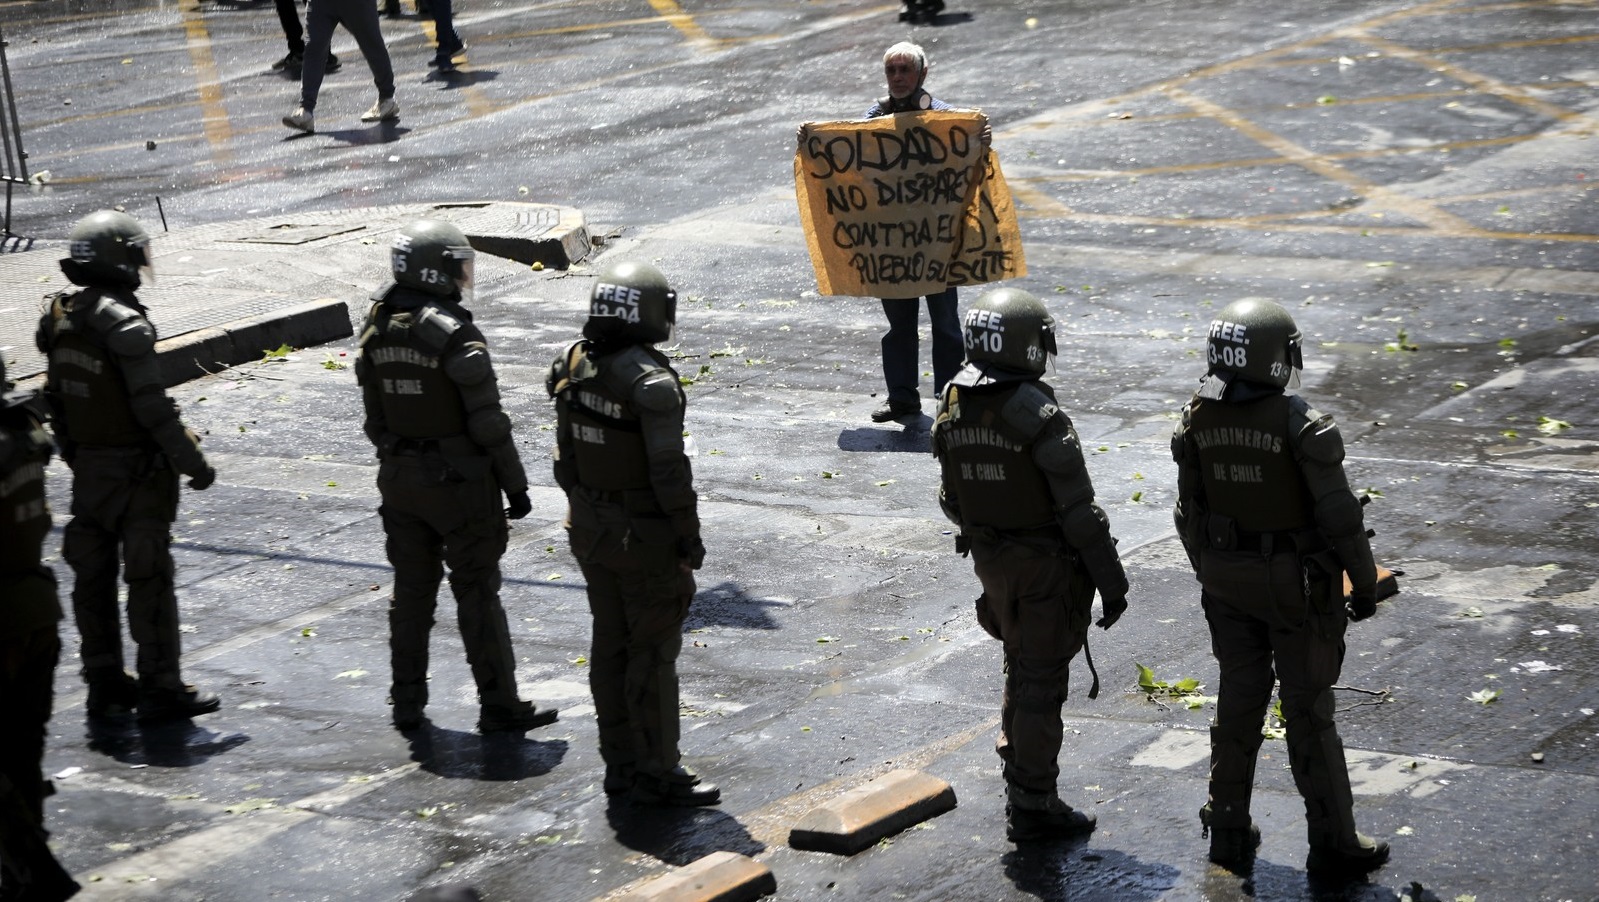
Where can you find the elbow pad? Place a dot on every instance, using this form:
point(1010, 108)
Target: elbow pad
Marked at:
point(153, 409)
point(508, 471)
point(488, 427)
point(181, 447)
point(470, 365)
point(132, 337)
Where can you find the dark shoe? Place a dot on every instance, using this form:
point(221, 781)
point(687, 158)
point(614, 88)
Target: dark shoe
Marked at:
point(893, 410)
point(444, 59)
point(333, 64)
point(175, 704)
point(1032, 816)
point(111, 694)
point(290, 63)
point(618, 779)
point(1347, 861)
point(408, 718)
point(391, 8)
point(423, 8)
point(500, 719)
point(679, 789)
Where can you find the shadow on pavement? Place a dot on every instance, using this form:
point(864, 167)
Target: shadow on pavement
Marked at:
point(913, 438)
point(727, 604)
point(177, 743)
point(1069, 870)
point(678, 836)
point(496, 757)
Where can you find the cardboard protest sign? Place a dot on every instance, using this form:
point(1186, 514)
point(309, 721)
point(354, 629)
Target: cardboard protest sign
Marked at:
point(905, 205)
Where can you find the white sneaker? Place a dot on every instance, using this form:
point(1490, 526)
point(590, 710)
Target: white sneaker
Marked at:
point(301, 119)
point(386, 110)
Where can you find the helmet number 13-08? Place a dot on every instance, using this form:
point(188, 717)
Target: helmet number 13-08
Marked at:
point(1230, 356)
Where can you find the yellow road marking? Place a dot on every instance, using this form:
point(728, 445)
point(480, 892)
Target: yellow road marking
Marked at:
point(685, 23)
point(1481, 82)
point(213, 114)
point(1319, 164)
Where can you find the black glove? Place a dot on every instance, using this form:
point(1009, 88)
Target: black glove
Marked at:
point(692, 551)
point(1362, 603)
point(521, 505)
point(1114, 609)
point(202, 481)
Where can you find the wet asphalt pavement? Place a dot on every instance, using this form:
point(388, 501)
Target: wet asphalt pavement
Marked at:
point(1413, 180)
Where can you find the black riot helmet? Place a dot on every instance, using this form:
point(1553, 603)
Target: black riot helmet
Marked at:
point(108, 248)
point(435, 257)
point(1010, 328)
point(631, 302)
point(1255, 340)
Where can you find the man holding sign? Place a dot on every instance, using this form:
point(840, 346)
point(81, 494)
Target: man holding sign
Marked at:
point(905, 209)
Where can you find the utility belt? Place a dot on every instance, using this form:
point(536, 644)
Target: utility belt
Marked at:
point(139, 459)
point(1222, 533)
point(1041, 538)
point(452, 445)
point(635, 502)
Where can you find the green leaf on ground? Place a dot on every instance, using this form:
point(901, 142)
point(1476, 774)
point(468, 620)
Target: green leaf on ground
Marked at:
point(1484, 696)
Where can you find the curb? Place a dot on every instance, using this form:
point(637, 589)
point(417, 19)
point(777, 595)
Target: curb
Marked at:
point(718, 877)
point(199, 353)
point(867, 813)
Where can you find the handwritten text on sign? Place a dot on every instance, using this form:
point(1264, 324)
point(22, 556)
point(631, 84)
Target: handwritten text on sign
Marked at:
point(905, 205)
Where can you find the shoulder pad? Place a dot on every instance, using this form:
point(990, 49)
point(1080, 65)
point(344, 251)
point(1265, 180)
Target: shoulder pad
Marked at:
point(1029, 410)
point(1060, 451)
point(125, 330)
point(572, 366)
point(432, 328)
point(968, 376)
point(1314, 432)
point(1179, 433)
point(658, 391)
point(469, 365)
point(383, 292)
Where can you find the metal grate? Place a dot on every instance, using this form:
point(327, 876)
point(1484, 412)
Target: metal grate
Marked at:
point(13, 159)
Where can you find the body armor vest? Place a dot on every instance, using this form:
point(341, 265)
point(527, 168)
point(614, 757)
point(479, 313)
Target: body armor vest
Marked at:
point(1248, 466)
point(23, 510)
point(606, 436)
point(419, 399)
point(995, 479)
point(85, 380)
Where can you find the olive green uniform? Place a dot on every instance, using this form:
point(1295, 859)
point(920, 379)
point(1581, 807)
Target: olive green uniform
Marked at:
point(433, 413)
point(1269, 523)
point(635, 532)
point(123, 439)
point(1015, 483)
point(29, 648)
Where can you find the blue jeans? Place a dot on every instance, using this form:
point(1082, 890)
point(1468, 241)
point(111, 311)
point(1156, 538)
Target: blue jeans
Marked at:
point(902, 352)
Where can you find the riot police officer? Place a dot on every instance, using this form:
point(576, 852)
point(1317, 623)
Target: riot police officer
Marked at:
point(30, 646)
point(1015, 483)
point(121, 435)
point(433, 413)
point(1269, 523)
point(633, 525)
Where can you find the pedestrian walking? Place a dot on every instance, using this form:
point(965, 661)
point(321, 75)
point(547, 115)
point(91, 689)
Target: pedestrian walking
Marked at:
point(1270, 525)
point(444, 444)
point(1014, 482)
point(360, 18)
point(126, 445)
point(294, 61)
point(634, 526)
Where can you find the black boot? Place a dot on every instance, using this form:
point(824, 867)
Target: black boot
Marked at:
point(678, 788)
point(518, 718)
point(1032, 816)
point(1233, 834)
point(112, 693)
point(169, 703)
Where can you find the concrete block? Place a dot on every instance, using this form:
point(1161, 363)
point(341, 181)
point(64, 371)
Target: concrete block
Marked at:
point(867, 813)
point(718, 877)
